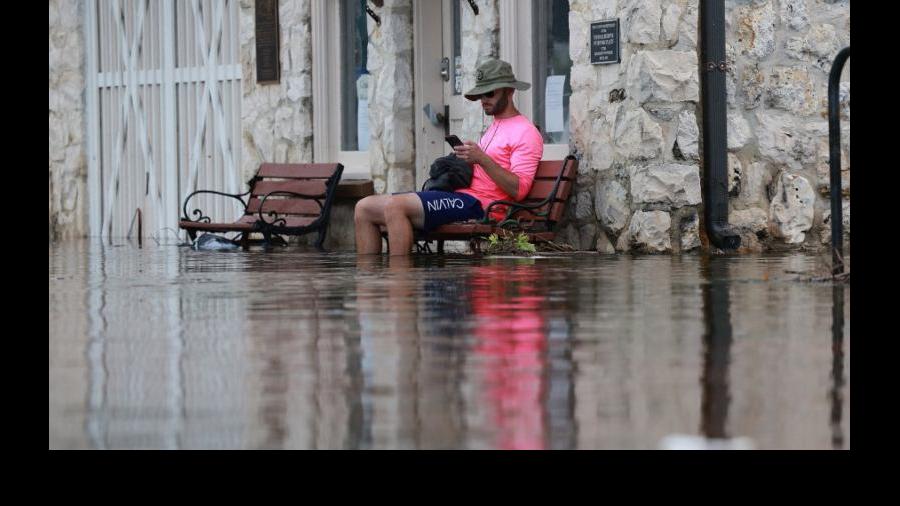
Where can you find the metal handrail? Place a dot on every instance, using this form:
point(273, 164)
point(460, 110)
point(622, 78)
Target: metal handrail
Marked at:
point(834, 145)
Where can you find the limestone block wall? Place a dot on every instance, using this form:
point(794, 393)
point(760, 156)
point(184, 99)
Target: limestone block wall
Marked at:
point(636, 125)
point(67, 157)
point(276, 119)
point(780, 54)
point(480, 41)
point(392, 156)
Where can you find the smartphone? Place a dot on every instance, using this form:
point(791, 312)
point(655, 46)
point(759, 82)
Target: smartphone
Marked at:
point(453, 141)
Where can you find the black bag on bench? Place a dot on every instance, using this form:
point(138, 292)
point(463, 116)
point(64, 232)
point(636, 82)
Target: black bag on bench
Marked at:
point(448, 173)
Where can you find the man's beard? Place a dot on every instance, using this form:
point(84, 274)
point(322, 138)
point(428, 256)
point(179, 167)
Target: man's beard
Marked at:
point(500, 106)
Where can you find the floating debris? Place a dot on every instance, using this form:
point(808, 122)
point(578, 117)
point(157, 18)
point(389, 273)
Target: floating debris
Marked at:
point(212, 242)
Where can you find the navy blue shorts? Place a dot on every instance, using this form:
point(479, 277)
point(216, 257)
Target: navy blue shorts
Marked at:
point(446, 207)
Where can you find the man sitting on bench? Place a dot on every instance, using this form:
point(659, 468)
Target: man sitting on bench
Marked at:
point(504, 165)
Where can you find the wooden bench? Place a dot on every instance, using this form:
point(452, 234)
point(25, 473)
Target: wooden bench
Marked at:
point(285, 199)
point(535, 216)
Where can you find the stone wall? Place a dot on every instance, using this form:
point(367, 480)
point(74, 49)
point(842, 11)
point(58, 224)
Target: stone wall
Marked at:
point(392, 155)
point(276, 119)
point(780, 54)
point(635, 125)
point(480, 41)
point(637, 128)
point(67, 158)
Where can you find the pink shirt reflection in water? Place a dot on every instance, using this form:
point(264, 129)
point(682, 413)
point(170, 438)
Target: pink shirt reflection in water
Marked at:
point(510, 335)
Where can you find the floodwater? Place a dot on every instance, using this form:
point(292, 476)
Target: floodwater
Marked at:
point(166, 347)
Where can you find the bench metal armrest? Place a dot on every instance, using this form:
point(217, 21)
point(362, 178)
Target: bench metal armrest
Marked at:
point(199, 213)
point(515, 207)
point(274, 215)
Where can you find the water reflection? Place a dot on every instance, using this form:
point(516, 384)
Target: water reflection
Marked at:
point(837, 366)
point(122, 381)
point(96, 350)
point(718, 339)
point(172, 348)
point(443, 353)
point(508, 306)
point(716, 349)
point(444, 337)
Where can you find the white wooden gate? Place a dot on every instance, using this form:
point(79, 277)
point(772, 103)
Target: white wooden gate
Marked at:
point(163, 110)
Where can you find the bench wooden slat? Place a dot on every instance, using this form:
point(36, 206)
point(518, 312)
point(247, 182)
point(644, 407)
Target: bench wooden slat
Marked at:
point(540, 189)
point(298, 170)
point(556, 213)
point(307, 207)
point(549, 169)
point(305, 187)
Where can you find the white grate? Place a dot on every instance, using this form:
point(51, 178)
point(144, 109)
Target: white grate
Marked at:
point(163, 111)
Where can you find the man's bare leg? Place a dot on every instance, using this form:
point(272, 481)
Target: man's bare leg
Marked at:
point(368, 216)
point(399, 213)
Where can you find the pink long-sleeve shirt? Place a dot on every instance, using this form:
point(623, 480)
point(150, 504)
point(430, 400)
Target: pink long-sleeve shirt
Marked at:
point(515, 145)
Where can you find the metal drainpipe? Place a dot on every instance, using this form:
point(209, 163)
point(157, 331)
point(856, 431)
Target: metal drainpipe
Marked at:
point(834, 162)
point(715, 136)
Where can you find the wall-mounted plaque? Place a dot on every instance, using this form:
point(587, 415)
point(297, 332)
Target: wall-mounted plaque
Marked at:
point(268, 63)
point(605, 42)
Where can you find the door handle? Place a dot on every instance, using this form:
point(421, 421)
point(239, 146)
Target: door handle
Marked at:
point(445, 68)
point(437, 119)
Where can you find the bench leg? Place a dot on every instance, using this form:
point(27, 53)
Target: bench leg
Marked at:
point(321, 240)
point(440, 247)
point(245, 241)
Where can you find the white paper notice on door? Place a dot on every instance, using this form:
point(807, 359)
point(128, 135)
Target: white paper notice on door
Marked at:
point(553, 103)
point(362, 125)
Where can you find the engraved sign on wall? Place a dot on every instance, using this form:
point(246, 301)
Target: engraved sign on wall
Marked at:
point(605, 42)
point(268, 64)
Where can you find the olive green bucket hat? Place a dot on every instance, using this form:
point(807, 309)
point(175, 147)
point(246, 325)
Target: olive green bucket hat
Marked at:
point(494, 74)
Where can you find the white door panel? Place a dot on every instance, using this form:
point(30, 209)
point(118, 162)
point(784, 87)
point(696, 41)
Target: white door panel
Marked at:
point(163, 111)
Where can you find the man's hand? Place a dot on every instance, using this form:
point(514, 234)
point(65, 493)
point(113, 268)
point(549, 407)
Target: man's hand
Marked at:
point(506, 180)
point(471, 153)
